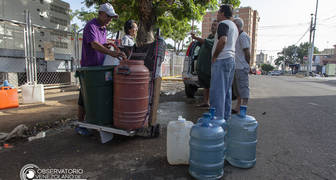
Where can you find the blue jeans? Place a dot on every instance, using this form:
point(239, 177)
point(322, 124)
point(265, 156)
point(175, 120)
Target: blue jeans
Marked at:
point(222, 73)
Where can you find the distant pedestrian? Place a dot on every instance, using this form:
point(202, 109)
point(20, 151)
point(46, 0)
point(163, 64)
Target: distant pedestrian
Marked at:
point(242, 58)
point(223, 63)
point(204, 62)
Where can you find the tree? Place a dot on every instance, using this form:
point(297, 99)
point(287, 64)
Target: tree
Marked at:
point(152, 14)
point(293, 54)
point(267, 68)
point(74, 26)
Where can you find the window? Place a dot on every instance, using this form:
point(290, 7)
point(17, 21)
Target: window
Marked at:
point(59, 9)
point(59, 21)
point(58, 33)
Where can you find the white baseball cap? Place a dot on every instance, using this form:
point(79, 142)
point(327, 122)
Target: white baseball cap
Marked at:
point(108, 9)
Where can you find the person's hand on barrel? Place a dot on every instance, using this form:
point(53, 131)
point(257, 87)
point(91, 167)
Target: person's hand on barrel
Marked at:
point(108, 45)
point(123, 55)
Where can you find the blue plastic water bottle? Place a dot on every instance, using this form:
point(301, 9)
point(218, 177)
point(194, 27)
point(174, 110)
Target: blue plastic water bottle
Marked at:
point(242, 140)
point(206, 150)
point(219, 121)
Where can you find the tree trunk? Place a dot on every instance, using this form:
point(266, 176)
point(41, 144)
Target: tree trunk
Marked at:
point(146, 21)
point(175, 47)
point(182, 45)
point(179, 45)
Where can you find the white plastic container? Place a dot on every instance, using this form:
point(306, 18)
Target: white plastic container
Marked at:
point(178, 135)
point(33, 93)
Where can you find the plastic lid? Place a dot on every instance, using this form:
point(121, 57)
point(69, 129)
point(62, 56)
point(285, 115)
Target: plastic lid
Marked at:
point(180, 118)
point(212, 112)
point(96, 68)
point(206, 120)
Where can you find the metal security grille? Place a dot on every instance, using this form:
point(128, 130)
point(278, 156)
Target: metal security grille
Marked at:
point(172, 65)
point(12, 52)
point(31, 53)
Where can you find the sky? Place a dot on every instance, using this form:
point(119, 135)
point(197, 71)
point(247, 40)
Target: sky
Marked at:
point(284, 22)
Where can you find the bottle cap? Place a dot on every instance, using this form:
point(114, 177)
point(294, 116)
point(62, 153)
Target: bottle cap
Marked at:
point(180, 118)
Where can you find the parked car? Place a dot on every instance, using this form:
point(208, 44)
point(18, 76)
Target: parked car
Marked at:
point(276, 73)
point(189, 74)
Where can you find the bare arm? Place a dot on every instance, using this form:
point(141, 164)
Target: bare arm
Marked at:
point(247, 55)
point(220, 45)
point(101, 48)
point(197, 38)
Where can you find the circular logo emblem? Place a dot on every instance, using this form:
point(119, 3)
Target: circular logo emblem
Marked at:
point(28, 172)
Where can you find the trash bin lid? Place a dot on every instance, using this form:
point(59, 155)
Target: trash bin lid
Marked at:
point(95, 68)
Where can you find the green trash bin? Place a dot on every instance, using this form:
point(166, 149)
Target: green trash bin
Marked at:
point(97, 92)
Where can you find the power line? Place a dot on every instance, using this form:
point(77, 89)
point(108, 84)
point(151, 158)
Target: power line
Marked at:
point(302, 36)
point(293, 25)
point(282, 26)
point(326, 19)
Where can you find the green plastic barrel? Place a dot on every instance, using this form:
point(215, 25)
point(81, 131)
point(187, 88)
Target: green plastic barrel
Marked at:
point(97, 92)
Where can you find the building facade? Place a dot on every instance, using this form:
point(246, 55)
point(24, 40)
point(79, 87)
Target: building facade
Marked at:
point(261, 58)
point(251, 19)
point(51, 22)
point(330, 51)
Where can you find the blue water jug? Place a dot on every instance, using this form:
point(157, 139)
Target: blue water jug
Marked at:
point(242, 140)
point(220, 121)
point(206, 150)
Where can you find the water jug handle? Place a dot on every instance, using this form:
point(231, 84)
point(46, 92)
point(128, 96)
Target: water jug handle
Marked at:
point(126, 68)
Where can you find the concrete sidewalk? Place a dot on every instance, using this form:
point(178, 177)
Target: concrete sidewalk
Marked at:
point(59, 104)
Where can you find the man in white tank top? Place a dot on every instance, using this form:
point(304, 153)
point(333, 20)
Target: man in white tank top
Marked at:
point(223, 63)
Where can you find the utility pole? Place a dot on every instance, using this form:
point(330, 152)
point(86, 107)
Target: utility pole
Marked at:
point(310, 39)
point(313, 41)
point(311, 29)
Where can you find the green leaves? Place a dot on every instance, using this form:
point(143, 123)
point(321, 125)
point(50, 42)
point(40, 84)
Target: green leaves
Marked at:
point(267, 67)
point(293, 54)
point(171, 16)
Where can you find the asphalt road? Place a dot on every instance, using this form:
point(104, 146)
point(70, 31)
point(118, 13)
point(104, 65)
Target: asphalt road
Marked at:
point(296, 139)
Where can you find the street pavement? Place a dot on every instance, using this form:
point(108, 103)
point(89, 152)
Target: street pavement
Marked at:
point(296, 138)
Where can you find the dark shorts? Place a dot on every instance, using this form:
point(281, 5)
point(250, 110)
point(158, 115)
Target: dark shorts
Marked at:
point(204, 80)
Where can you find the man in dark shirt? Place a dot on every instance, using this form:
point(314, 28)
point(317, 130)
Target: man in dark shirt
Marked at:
point(204, 62)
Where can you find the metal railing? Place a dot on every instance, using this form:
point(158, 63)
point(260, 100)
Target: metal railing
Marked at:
point(36, 54)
